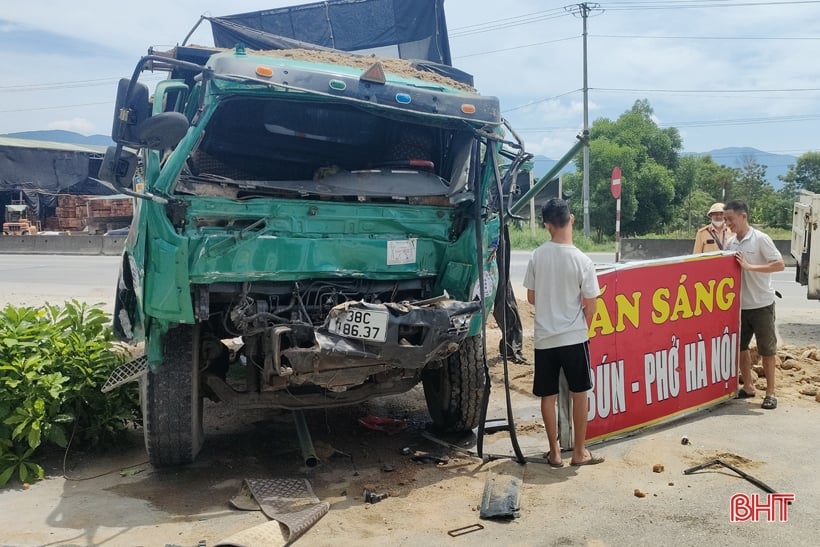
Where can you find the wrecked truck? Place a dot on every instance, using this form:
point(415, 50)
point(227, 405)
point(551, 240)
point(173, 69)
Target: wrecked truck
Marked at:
point(330, 210)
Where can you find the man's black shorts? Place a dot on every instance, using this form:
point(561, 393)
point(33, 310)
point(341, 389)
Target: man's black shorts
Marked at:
point(760, 322)
point(573, 359)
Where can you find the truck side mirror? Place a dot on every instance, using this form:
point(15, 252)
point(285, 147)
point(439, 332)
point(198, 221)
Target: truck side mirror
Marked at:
point(118, 168)
point(161, 131)
point(130, 110)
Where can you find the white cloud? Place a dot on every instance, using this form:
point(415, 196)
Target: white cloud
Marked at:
point(560, 111)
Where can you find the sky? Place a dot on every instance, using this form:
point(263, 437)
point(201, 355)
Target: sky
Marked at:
point(724, 72)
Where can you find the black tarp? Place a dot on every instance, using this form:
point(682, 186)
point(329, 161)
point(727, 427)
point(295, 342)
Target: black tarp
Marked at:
point(407, 29)
point(49, 167)
point(28, 168)
point(37, 171)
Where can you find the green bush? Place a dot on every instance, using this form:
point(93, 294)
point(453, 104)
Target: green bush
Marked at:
point(53, 362)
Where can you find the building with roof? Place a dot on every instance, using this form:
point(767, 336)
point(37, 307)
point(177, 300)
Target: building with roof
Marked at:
point(35, 173)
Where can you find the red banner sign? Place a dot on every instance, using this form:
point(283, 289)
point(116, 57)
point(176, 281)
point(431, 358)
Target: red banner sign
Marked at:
point(664, 341)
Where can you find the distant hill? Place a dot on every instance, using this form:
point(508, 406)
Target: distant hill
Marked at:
point(735, 157)
point(542, 165)
point(58, 135)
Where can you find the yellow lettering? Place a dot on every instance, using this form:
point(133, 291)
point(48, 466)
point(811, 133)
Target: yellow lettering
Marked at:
point(683, 308)
point(704, 296)
point(601, 320)
point(660, 305)
point(725, 299)
point(628, 310)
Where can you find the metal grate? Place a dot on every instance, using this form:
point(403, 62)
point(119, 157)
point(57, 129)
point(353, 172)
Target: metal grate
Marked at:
point(128, 372)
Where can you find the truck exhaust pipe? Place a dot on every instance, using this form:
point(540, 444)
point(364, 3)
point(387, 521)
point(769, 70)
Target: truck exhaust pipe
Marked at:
point(305, 442)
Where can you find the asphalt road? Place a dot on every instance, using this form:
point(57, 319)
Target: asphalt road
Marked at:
point(34, 279)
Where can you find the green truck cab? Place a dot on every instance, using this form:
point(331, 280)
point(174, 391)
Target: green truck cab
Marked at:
point(333, 211)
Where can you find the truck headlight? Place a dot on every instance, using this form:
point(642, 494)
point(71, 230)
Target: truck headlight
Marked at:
point(461, 322)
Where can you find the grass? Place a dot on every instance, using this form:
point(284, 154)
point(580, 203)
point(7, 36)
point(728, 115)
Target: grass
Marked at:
point(523, 240)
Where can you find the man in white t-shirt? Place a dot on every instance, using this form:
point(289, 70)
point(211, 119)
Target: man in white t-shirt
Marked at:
point(562, 285)
point(759, 258)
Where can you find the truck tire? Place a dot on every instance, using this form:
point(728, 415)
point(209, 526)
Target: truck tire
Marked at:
point(171, 401)
point(454, 390)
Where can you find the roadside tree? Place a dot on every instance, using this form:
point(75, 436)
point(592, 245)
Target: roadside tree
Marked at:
point(699, 182)
point(647, 156)
point(751, 186)
point(805, 174)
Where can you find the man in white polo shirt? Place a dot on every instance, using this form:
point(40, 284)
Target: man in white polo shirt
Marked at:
point(759, 258)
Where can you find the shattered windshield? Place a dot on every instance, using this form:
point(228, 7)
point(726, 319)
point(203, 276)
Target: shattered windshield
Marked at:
point(302, 148)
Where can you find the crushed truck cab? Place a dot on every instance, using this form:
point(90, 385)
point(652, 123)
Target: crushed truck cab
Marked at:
point(328, 212)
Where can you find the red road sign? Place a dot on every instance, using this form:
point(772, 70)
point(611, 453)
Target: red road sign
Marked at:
point(616, 183)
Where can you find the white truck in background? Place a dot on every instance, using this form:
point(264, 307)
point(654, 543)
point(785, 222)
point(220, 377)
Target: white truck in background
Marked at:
point(804, 233)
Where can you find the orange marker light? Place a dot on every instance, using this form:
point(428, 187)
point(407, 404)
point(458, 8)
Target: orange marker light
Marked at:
point(468, 108)
point(264, 71)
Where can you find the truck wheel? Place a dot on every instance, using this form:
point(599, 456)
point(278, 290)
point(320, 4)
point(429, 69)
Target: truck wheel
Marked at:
point(171, 400)
point(454, 390)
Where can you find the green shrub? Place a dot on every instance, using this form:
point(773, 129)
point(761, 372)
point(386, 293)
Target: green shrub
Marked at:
point(53, 362)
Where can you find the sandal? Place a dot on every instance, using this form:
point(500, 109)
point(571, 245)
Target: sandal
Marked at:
point(769, 402)
point(741, 394)
point(547, 457)
point(591, 461)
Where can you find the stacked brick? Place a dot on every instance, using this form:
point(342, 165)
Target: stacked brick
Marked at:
point(76, 213)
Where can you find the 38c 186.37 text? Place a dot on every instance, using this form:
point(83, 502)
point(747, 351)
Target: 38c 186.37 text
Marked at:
point(362, 324)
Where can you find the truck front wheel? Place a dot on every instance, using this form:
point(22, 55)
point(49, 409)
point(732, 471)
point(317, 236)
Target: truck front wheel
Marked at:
point(171, 400)
point(454, 390)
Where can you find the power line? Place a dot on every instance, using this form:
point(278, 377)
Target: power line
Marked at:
point(545, 129)
point(495, 25)
point(637, 90)
point(525, 17)
point(654, 37)
point(639, 37)
point(536, 101)
point(555, 13)
point(698, 123)
point(694, 4)
point(742, 121)
point(57, 85)
point(66, 85)
point(517, 47)
point(111, 102)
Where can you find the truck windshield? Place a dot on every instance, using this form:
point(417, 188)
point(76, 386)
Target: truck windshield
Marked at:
point(323, 147)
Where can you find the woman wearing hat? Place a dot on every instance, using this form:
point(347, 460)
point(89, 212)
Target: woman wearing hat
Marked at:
point(715, 235)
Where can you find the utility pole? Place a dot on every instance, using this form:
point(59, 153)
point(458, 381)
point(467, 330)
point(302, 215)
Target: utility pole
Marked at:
point(583, 10)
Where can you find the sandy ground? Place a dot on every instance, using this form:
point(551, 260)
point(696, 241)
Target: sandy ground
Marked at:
point(118, 499)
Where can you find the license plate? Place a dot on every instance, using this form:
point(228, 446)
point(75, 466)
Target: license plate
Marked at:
point(362, 324)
